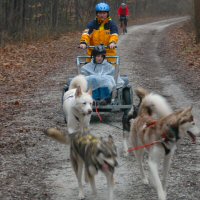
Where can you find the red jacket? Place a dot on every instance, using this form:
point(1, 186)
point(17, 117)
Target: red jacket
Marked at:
point(123, 11)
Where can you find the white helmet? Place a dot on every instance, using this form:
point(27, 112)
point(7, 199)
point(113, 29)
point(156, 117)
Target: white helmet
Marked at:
point(123, 5)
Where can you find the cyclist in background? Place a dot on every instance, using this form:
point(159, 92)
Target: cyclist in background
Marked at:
point(123, 13)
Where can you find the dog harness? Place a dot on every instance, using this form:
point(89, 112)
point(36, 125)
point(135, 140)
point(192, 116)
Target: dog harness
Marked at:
point(165, 138)
point(87, 139)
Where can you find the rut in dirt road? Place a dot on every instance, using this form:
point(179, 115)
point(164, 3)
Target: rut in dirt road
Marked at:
point(44, 170)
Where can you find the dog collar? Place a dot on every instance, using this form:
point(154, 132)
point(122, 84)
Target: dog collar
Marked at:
point(87, 139)
point(76, 112)
point(174, 132)
point(77, 118)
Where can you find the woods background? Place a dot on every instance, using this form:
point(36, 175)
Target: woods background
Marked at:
point(31, 19)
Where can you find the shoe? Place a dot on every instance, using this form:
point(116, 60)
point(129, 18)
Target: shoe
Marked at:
point(103, 102)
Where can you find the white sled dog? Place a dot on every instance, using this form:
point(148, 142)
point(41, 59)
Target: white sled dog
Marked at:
point(77, 105)
point(159, 128)
point(92, 153)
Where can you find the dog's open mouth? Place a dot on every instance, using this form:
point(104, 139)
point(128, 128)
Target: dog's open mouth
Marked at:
point(107, 166)
point(192, 136)
point(87, 114)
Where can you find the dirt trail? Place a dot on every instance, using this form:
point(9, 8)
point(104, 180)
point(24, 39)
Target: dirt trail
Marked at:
point(39, 168)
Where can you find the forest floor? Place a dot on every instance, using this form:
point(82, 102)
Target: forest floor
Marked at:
point(22, 66)
point(23, 71)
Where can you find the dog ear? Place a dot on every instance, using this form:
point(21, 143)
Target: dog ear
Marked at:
point(90, 91)
point(78, 92)
point(185, 115)
point(186, 110)
point(110, 139)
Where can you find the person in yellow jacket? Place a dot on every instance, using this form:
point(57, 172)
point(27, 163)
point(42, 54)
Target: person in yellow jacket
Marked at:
point(102, 30)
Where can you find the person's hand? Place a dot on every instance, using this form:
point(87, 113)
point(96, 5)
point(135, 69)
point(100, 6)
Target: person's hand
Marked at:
point(83, 46)
point(112, 45)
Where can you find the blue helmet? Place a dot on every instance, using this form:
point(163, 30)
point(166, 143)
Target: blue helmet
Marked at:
point(102, 7)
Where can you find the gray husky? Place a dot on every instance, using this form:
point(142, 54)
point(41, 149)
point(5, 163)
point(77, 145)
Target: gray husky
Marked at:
point(96, 154)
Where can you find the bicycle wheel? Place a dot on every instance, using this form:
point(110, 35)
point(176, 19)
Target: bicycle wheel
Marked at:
point(123, 27)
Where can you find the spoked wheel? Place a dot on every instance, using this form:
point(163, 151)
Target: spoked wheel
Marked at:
point(123, 27)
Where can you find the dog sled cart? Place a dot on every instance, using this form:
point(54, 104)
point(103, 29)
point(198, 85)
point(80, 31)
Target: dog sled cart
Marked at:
point(119, 100)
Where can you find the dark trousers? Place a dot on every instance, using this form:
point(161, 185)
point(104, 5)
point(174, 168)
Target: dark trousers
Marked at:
point(123, 19)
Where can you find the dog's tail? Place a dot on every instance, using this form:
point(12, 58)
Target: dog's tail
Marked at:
point(79, 81)
point(141, 92)
point(57, 135)
point(157, 104)
point(153, 103)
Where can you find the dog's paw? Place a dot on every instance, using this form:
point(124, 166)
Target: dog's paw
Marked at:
point(145, 181)
point(81, 196)
point(125, 153)
point(94, 193)
point(162, 196)
point(125, 149)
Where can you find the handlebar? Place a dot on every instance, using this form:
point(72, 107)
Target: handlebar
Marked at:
point(92, 47)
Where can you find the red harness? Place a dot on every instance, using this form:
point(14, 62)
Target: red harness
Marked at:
point(150, 125)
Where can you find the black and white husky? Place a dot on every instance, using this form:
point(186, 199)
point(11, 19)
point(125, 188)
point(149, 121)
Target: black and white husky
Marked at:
point(92, 154)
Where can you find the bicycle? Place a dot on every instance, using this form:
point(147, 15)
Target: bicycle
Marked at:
point(123, 25)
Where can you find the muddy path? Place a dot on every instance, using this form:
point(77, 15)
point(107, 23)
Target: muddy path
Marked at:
point(35, 167)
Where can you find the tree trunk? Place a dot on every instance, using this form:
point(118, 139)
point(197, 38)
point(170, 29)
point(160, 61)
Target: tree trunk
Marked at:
point(197, 19)
point(54, 14)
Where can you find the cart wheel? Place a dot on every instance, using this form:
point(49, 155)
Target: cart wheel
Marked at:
point(65, 89)
point(125, 121)
point(127, 100)
point(126, 94)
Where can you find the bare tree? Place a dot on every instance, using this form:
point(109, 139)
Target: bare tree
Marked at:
point(197, 19)
point(28, 19)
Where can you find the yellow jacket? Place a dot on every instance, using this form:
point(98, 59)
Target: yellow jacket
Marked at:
point(101, 32)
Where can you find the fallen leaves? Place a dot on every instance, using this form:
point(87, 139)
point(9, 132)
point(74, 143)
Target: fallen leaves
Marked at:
point(24, 65)
point(185, 46)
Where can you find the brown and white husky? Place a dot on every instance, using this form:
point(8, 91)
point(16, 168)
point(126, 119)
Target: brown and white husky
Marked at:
point(157, 123)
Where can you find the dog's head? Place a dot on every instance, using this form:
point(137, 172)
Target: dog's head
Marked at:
point(84, 101)
point(182, 123)
point(187, 124)
point(107, 155)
